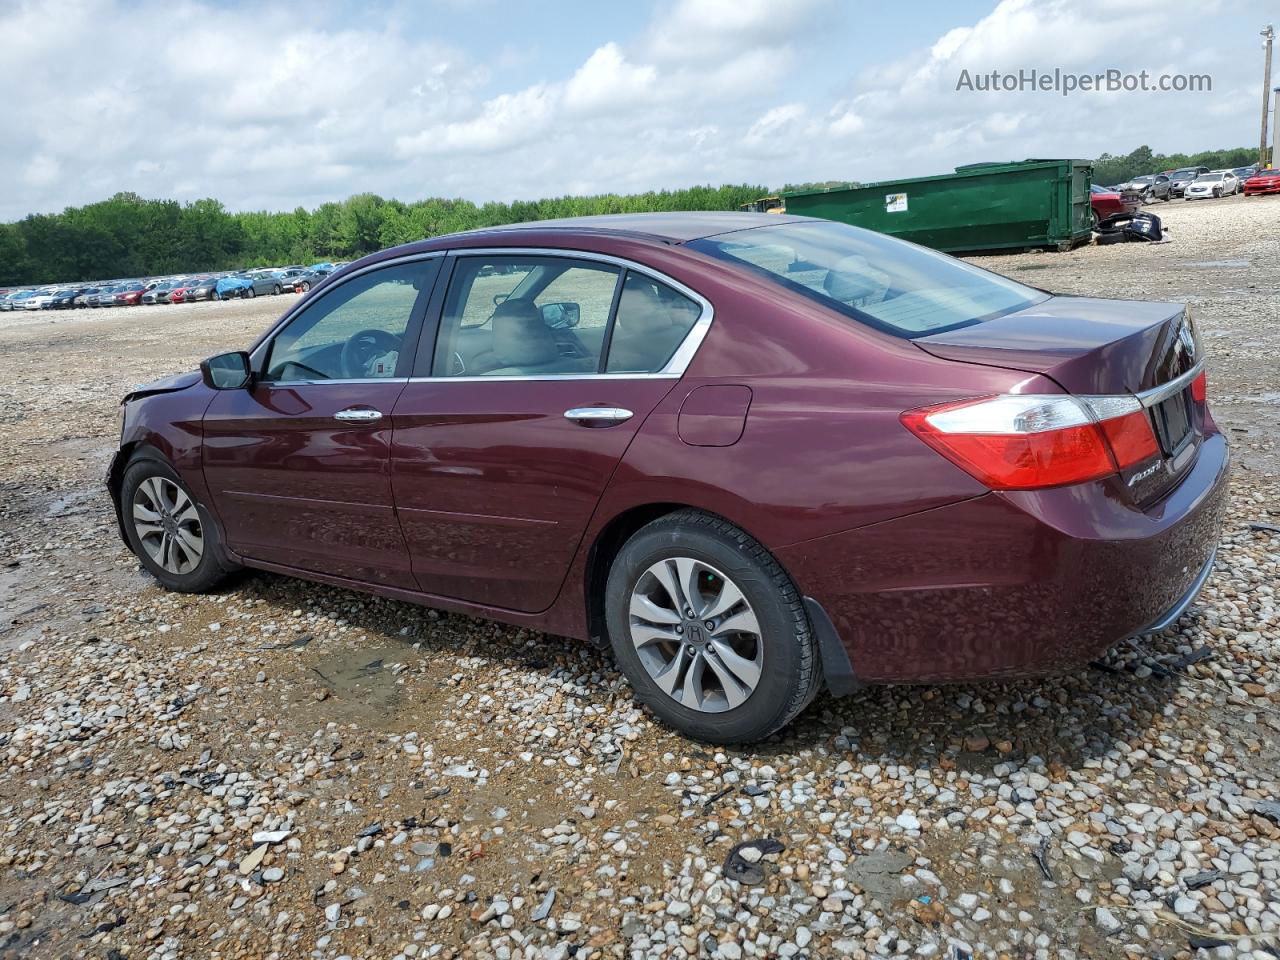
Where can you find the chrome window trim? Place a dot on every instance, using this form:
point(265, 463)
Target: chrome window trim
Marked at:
point(315, 383)
point(549, 376)
point(674, 367)
point(1149, 398)
point(255, 354)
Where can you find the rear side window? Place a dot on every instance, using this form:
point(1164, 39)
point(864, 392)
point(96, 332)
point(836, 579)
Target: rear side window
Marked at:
point(652, 322)
point(889, 284)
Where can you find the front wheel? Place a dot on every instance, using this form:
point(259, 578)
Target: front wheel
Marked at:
point(710, 630)
point(277, 290)
point(250, 292)
point(171, 533)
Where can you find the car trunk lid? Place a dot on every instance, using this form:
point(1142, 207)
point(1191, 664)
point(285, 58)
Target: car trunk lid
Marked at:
point(1095, 347)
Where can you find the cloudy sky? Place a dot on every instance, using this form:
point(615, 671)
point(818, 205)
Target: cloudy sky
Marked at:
point(271, 106)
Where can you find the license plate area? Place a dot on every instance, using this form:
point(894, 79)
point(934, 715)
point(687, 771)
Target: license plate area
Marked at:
point(1173, 422)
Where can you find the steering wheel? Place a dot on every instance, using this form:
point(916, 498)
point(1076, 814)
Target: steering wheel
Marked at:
point(363, 346)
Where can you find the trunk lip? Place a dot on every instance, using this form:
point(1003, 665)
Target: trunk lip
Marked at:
point(1149, 398)
point(1064, 337)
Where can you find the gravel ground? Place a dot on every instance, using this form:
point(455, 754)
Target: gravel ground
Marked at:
point(289, 770)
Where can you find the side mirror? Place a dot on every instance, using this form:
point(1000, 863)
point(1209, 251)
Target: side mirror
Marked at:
point(560, 316)
point(227, 371)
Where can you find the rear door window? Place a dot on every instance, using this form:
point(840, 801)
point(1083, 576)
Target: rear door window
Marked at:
point(653, 320)
point(522, 316)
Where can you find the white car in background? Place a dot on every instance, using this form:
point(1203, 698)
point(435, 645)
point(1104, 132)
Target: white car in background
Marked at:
point(1219, 184)
point(39, 300)
point(1236, 179)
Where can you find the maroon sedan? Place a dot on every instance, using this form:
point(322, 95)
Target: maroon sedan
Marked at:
point(754, 454)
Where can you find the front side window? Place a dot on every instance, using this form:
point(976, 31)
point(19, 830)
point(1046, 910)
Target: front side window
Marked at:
point(356, 331)
point(894, 286)
point(520, 316)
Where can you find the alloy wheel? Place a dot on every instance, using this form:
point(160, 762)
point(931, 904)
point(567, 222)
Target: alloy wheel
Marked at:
point(696, 635)
point(168, 525)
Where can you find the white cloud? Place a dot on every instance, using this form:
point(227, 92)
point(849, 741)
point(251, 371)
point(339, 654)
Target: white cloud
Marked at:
point(607, 80)
point(508, 120)
point(272, 107)
point(42, 170)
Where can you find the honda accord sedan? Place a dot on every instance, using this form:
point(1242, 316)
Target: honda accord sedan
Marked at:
point(754, 455)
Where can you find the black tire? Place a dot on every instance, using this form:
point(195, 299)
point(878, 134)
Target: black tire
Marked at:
point(303, 286)
point(213, 567)
point(250, 293)
point(792, 671)
point(277, 290)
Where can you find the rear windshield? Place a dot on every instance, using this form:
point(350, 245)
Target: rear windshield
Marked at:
point(894, 286)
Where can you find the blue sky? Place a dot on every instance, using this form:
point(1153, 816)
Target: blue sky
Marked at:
point(271, 106)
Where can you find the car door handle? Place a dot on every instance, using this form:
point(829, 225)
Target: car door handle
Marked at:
point(597, 416)
point(358, 415)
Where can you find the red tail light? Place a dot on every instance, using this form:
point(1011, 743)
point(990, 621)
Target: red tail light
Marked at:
point(1200, 389)
point(1030, 442)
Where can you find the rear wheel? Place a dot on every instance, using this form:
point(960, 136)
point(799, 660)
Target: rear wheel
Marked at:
point(277, 290)
point(171, 533)
point(304, 286)
point(710, 630)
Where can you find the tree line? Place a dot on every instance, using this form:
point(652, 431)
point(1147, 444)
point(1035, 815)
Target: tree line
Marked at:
point(129, 236)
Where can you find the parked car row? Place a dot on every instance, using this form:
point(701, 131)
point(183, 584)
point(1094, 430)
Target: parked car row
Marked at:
point(1190, 183)
point(157, 290)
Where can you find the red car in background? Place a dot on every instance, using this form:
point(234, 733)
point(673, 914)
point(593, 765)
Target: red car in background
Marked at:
point(1107, 203)
point(1264, 181)
point(179, 294)
point(130, 295)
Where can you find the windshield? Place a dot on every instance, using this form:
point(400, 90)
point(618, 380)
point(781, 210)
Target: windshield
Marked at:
point(1146, 179)
point(1208, 177)
point(1189, 172)
point(892, 285)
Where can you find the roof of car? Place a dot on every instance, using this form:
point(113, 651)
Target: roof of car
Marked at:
point(675, 227)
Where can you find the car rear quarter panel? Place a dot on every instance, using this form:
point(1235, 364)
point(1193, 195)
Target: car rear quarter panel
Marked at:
point(823, 448)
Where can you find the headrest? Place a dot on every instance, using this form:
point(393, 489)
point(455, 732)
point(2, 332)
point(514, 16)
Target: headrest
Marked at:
point(850, 279)
point(520, 338)
point(645, 313)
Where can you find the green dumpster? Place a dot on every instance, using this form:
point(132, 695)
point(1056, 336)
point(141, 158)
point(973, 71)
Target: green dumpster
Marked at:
point(982, 206)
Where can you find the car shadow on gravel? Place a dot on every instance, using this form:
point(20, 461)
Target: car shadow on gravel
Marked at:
point(1066, 720)
point(1069, 720)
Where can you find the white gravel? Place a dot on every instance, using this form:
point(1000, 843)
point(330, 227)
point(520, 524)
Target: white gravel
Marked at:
point(290, 770)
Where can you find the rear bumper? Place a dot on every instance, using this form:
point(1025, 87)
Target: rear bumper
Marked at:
point(1014, 585)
